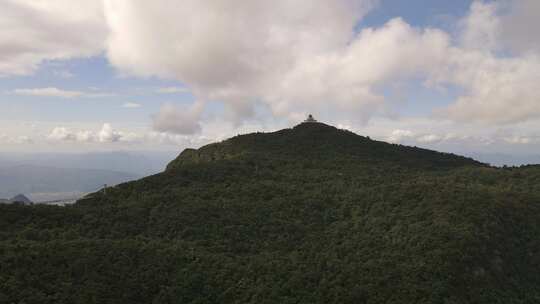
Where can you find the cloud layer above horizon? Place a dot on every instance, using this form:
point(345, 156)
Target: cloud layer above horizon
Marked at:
point(286, 58)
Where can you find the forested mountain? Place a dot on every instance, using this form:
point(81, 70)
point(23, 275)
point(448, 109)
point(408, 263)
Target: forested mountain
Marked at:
point(311, 214)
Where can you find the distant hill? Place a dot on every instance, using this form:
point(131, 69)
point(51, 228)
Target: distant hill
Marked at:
point(311, 214)
point(139, 163)
point(21, 198)
point(42, 179)
point(500, 159)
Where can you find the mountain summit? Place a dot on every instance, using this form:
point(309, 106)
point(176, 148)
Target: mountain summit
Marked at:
point(310, 214)
point(313, 140)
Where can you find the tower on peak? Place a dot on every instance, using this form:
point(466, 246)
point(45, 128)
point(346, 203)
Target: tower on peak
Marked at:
point(310, 119)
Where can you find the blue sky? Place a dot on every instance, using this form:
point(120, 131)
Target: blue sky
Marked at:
point(91, 75)
point(435, 77)
point(420, 13)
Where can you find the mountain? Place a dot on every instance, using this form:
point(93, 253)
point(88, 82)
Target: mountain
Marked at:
point(43, 179)
point(311, 214)
point(21, 199)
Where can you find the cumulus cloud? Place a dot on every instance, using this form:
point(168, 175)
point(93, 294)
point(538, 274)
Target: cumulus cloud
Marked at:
point(33, 31)
point(306, 57)
point(65, 134)
point(85, 136)
point(496, 89)
point(429, 138)
point(107, 134)
point(61, 133)
point(480, 29)
point(415, 137)
point(178, 120)
point(399, 135)
point(240, 53)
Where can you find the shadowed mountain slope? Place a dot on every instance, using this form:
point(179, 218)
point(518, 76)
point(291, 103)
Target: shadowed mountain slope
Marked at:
point(318, 141)
point(311, 214)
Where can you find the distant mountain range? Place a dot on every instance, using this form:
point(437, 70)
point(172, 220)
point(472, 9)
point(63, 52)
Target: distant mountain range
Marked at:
point(139, 163)
point(502, 159)
point(19, 198)
point(60, 176)
point(30, 179)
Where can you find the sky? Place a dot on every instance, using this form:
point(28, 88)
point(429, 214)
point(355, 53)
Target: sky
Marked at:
point(86, 75)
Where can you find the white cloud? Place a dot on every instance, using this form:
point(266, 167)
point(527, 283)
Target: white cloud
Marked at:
point(524, 140)
point(33, 31)
point(399, 135)
point(446, 135)
point(178, 120)
point(61, 133)
point(410, 137)
point(274, 52)
point(107, 134)
point(481, 27)
point(496, 89)
point(172, 90)
point(17, 140)
point(65, 134)
point(131, 105)
point(49, 92)
point(56, 92)
point(85, 136)
point(429, 138)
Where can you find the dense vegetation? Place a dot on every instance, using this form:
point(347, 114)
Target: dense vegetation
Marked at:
point(311, 214)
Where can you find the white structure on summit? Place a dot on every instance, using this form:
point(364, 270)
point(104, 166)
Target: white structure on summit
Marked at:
point(310, 119)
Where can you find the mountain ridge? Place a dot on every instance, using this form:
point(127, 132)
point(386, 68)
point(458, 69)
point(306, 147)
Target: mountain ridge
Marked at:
point(320, 134)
